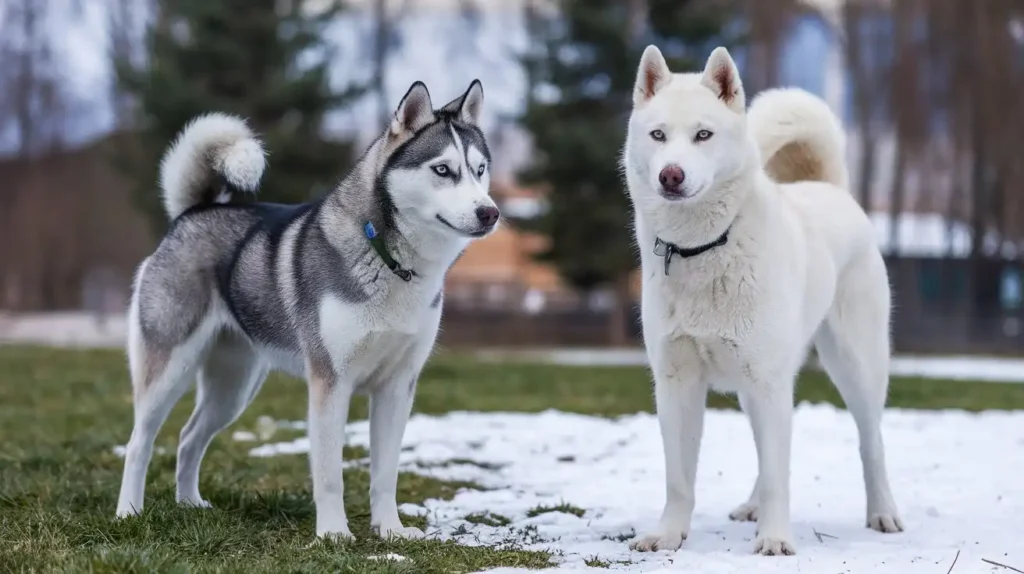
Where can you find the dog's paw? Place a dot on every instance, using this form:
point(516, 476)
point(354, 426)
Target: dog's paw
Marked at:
point(344, 535)
point(127, 512)
point(399, 532)
point(746, 512)
point(774, 546)
point(197, 502)
point(885, 522)
point(663, 540)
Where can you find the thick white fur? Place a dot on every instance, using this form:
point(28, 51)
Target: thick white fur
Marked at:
point(799, 136)
point(209, 145)
point(800, 267)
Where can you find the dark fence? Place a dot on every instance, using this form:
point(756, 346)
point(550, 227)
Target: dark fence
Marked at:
point(468, 327)
point(957, 305)
point(940, 306)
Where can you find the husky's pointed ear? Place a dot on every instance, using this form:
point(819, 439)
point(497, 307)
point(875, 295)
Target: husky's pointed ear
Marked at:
point(415, 112)
point(469, 104)
point(722, 77)
point(652, 76)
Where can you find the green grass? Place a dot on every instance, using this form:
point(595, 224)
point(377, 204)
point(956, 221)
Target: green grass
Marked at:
point(62, 411)
point(563, 507)
point(598, 562)
point(488, 519)
point(461, 461)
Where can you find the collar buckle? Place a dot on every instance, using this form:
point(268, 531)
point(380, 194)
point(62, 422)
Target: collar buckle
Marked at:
point(382, 251)
point(665, 249)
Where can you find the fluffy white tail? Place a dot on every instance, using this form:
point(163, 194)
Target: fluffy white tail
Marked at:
point(214, 155)
point(799, 137)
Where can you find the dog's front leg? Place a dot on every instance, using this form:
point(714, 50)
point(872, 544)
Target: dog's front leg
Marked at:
point(680, 394)
point(329, 398)
point(390, 405)
point(770, 402)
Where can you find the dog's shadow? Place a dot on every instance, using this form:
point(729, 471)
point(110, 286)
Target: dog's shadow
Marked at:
point(738, 537)
point(286, 505)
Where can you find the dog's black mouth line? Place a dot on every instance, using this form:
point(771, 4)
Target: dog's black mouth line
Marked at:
point(676, 195)
point(480, 233)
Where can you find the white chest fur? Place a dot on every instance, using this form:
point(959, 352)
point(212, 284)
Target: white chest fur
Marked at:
point(710, 297)
point(367, 340)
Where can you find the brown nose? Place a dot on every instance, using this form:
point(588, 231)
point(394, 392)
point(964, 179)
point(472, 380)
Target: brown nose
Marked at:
point(488, 216)
point(671, 178)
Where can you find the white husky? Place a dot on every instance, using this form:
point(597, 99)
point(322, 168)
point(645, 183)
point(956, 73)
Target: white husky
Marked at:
point(752, 250)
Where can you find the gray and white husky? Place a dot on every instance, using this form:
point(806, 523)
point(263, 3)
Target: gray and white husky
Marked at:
point(345, 291)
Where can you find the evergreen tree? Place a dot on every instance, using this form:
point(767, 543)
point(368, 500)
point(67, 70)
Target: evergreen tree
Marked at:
point(264, 60)
point(582, 75)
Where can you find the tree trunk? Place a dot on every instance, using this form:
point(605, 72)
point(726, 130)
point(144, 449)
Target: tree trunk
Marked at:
point(979, 189)
point(904, 104)
point(980, 159)
point(26, 84)
point(956, 199)
point(637, 21)
point(866, 167)
point(897, 200)
point(380, 55)
point(863, 93)
point(618, 326)
point(622, 313)
point(124, 44)
point(769, 19)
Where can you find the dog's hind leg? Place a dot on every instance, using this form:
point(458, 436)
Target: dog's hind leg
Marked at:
point(228, 381)
point(160, 376)
point(853, 345)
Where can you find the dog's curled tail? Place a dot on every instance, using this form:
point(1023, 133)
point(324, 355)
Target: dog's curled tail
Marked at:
point(799, 137)
point(213, 156)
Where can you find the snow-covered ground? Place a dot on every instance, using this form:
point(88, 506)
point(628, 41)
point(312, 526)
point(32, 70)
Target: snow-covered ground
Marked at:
point(956, 477)
point(78, 329)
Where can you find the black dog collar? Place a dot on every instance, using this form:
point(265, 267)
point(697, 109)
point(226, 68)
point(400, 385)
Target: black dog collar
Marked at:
point(667, 250)
point(378, 245)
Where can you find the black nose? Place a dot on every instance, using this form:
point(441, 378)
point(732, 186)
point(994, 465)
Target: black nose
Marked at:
point(671, 178)
point(488, 216)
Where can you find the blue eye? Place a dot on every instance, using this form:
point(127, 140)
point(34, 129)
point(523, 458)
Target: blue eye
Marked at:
point(441, 170)
point(480, 170)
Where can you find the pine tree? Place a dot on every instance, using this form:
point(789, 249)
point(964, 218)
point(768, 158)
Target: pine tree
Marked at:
point(265, 60)
point(582, 76)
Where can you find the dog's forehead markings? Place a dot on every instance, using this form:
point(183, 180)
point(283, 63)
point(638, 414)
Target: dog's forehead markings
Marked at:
point(430, 143)
point(450, 151)
point(459, 147)
point(474, 138)
point(474, 155)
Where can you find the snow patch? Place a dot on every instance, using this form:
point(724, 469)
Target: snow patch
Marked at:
point(390, 557)
point(955, 475)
